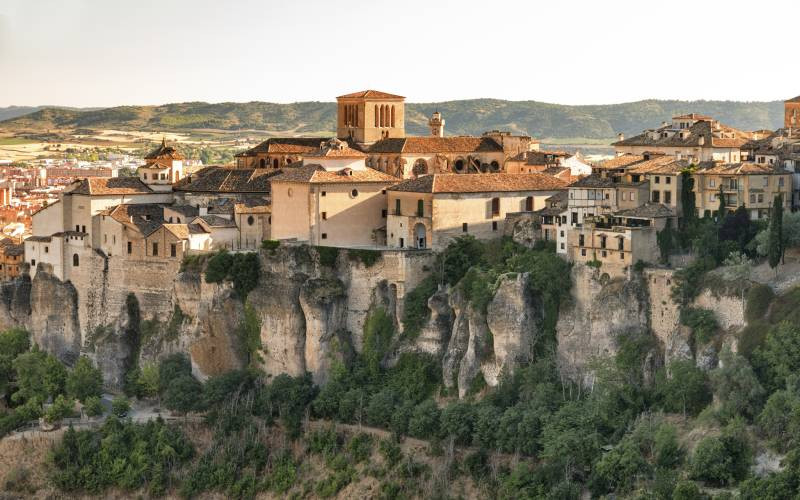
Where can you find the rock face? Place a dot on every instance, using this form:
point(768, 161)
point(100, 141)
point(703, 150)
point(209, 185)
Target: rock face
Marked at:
point(600, 315)
point(474, 343)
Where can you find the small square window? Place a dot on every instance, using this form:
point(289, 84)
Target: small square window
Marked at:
point(583, 252)
point(464, 227)
point(324, 236)
point(323, 193)
point(383, 213)
point(324, 215)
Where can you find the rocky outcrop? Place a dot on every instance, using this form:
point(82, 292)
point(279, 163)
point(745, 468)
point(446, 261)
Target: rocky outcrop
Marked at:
point(323, 304)
point(601, 313)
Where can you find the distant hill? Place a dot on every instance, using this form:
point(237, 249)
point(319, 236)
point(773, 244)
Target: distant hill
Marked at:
point(541, 120)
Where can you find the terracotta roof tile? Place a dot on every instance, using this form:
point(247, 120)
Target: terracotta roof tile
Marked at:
point(228, 180)
point(648, 210)
point(96, 186)
point(287, 145)
point(164, 152)
point(480, 183)
point(701, 131)
point(593, 181)
point(436, 145)
point(316, 174)
point(374, 94)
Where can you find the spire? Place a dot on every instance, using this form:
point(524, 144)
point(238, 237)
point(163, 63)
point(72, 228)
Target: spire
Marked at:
point(163, 141)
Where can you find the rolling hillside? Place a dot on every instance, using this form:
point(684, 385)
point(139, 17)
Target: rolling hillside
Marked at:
point(542, 120)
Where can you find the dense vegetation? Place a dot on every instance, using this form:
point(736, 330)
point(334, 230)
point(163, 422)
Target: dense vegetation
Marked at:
point(463, 117)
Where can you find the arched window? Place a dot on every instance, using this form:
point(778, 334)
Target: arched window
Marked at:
point(263, 163)
point(275, 163)
point(459, 165)
point(355, 115)
point(495, 166)
point(75, 260)
point(250, 220)
point(392, 115)
point(376, 116)
point(381, 116)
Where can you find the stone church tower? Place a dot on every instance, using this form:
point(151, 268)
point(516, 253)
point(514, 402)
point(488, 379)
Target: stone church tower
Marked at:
point(436, 123)
point(369, 116)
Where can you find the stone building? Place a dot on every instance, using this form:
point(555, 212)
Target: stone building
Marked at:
point(373, 123)
point(429, 211)
point(693, 137)
point(619, 240)
point(752, 185)
point(11, 258)
point(333, 199)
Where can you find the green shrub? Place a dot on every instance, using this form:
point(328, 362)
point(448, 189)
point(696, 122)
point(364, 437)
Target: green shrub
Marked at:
point(60, 409)
point(424, 421)
point(93, 406)
point(360, 447)
point(702, 322)
point(328, 256)
point(416, 311)
point(618, 469)
point(84, 380)
point(218, 267)
point(326, 442)
point(752, 336)
point(365, 256)
point(683, 388)
point(270, 245)
point(786, 307)
point(759, 298)
point(282, 474)
point(120, 406)
point(390, 451)
point(378, 334)
point(688, 490)
point(722, 460)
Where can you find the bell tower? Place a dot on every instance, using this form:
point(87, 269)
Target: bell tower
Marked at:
point(791, 117)
point(370, 115)
point(436, 123)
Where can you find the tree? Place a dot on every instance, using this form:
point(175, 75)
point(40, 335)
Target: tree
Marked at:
point(780, 354)
point(171, 368)
point(666, 241)
point(722, 460)
point(84, 380)
point(457, 421)
point(93, 407)
point(39, 376)
point(682, 387)
point(736, 386)
point(183, 394)
point(60, 409)
point(120, 406)
point(13, 342)
point(688, 207)
point(424, 422)
point(722, 204)
point(775, 240)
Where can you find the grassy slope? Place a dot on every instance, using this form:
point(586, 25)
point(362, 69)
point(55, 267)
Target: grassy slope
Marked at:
point(463, 117)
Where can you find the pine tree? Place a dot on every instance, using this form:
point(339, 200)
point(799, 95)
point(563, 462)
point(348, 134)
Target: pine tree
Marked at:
point(721, 197)
point(775, 242)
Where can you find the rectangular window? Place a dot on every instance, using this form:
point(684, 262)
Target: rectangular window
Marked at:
point(667, 197)
point(495, 207)
point(761, 198)
point(668, 180)
point(46, 249)
point(656, 196)
point(383, 213)
point(603, 253)
point(324, 236)
point(780, 181)
point(622, 256)
point(130, 247)
point(624, 196)
point(620, 244)
point(105, 238)
point(464, 227)
point(658, 179)
point(580, 240)
point(602, 241)
point(712, 183)
point(324, 215)
point(562, 246)
point(397, 206)
point(633, 196)
point(574, 217)
point(583, 252)
point(323, 193)
point(494, 225)
point(420, 208)
point(155, 249)
point(173, 250)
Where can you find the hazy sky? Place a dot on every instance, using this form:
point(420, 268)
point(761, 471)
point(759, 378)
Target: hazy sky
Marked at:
point(113, 52)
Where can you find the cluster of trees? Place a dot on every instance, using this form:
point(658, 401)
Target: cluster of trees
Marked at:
point(35, 384)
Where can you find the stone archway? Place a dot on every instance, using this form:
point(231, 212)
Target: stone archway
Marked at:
point(459, 166)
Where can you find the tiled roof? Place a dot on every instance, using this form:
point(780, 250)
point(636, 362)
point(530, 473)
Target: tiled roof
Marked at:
point(334, 148)
point(593, 181)
point(144, 218)
point(658, 165)
point(13, 249)
point(215, 221)
point(374, 94)
point(181, 231)
point(480, 183)
point(185, 210)
point(287, 145)
point(794, 99)
point(544, 158)
point(42, 239)
point(647, 211)
point(692, 116)
point(253, 206)
point(228, 180)
point(165, 152)
point(743, 168)
point(436, 145)
point(725, 137)
point(97, 186)
point(315, 174)
point(619, 161)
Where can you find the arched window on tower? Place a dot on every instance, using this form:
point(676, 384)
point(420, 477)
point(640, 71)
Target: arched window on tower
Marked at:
point(392, 116)
point(355, 115)
point(75, 260)
point(376, 116)
point(381, 116)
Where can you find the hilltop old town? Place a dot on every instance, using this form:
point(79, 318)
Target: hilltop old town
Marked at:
point(372, 186)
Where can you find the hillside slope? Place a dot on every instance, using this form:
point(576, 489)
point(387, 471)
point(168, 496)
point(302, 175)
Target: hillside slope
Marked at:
point(474, 116)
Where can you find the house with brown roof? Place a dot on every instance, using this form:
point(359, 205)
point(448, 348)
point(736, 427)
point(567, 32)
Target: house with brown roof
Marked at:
point(333, 199)
point(12, 255)
point(619, 240)
point(429, 211)
point(163, 167)
point(692, 137)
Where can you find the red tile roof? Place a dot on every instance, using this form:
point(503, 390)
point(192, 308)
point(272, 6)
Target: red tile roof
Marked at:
point(315, 174)
point(164, 152)
point(371, 94)
point(98, 186)
point(436, 145)
point(480, 183)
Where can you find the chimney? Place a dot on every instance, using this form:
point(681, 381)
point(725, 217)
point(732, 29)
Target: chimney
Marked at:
point(620, 136)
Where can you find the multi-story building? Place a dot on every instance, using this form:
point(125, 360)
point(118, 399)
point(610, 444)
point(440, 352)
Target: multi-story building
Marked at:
point(751, 185)
point(11, 258)
point(692, 137)
point(428, 212)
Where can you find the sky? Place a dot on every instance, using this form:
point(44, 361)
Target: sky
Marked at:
point(103, 53)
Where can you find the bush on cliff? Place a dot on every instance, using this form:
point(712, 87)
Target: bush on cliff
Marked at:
point(84, 380)
point(243, 269)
